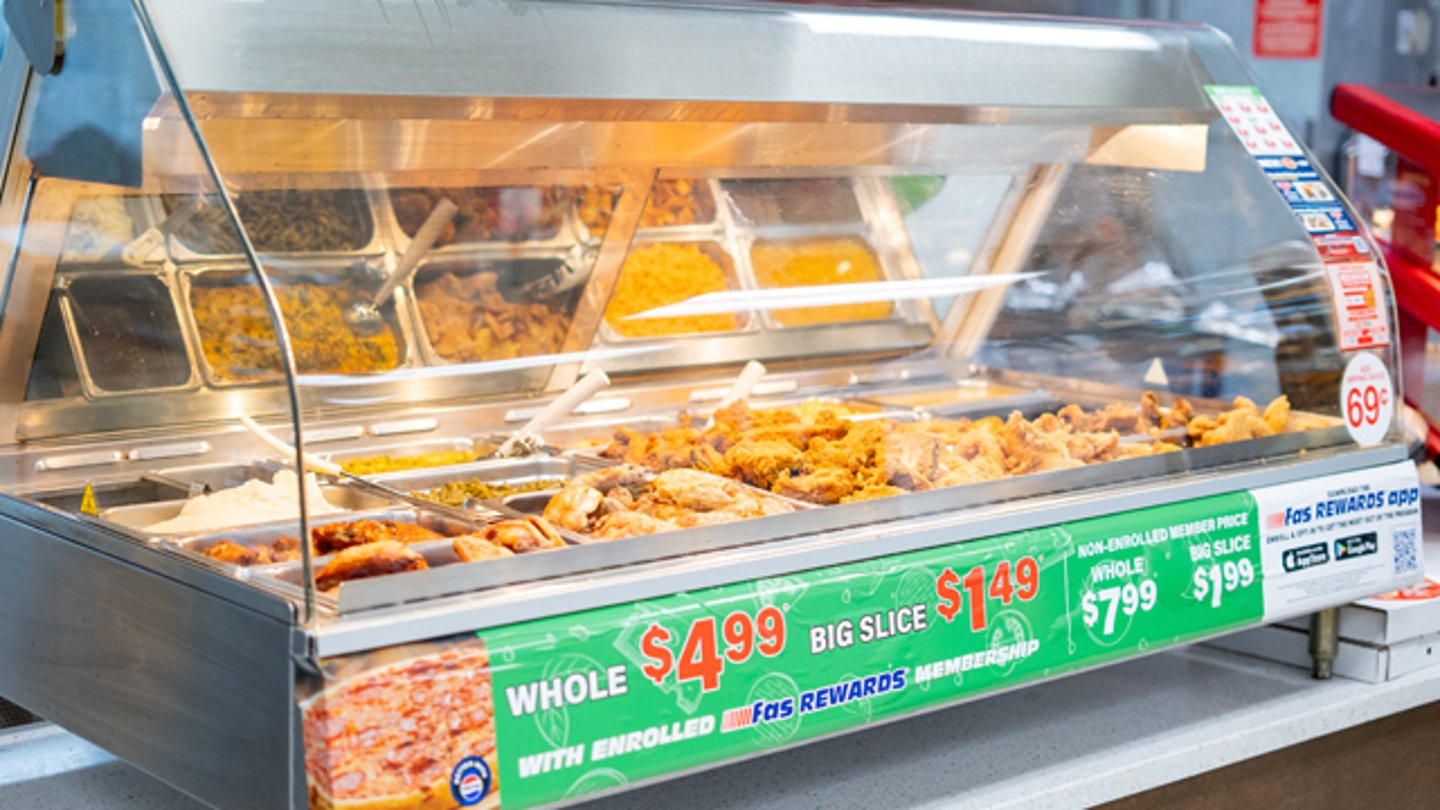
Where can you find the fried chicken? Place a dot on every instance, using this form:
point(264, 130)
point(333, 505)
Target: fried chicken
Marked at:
point(334, 537)
point(231, 552)
point(474, 548)
point(816, 453)
point(618, 525)
point(285, 549)
point(524, 535)
point(600, 504)
point(825, 485)
point(368, 560)
point(1243, 421)
point(911, 460)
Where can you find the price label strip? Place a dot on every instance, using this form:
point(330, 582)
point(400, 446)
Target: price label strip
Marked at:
point(600, 699)
point(1354, 277)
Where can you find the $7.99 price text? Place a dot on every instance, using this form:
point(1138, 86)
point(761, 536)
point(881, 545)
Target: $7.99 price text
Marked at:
point(701, 657)
point(1129, 599)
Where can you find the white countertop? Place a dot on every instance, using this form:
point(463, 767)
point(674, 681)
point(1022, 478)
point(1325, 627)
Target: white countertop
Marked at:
point(1074, 742)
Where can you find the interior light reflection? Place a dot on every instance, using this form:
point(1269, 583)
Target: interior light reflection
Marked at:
point(1094, 38)
point(822, 295)
point(472, 369)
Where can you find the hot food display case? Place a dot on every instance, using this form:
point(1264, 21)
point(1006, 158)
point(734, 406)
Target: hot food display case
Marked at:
point(503, 404)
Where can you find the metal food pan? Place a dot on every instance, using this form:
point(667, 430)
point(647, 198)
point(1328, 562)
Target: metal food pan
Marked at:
point(143, 211)
point(709, 229)
point(437, 554)
point(136, 517)
point(184, 250)
point(1001, 404)
point(589, 438)
point(533, 503)
point(264, 534)
point(402, 450)
point(905, 311)
point(81, 349)
point(212, 477)
point(509, 470)
point(469, 262)
point(846, 185)
point(564, 235)
point(109, 495)
point(326, 273)
point(724, 252)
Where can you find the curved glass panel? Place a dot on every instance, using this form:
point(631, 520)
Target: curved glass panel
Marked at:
point(744, 306)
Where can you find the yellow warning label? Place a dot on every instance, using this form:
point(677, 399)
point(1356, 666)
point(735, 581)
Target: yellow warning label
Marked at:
point(87, 502)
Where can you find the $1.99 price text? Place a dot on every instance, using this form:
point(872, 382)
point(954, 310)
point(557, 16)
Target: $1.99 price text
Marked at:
point(709, 644)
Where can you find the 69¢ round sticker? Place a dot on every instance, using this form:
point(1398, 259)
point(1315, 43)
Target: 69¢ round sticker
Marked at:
point(1367, 399)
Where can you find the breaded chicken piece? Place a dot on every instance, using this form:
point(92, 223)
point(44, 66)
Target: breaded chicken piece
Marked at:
point(911, 459)
point(231, 552)
point(822, 485)
point(368, 560)
point(348, 534)
point(619, 525)
point(760, 462)
point(474, 548)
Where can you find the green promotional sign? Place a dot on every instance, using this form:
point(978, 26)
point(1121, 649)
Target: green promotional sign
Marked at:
point(600, 699)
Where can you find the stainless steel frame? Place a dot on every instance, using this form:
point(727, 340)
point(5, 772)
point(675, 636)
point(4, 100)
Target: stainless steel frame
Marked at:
point(185, 669)
point(90, 632)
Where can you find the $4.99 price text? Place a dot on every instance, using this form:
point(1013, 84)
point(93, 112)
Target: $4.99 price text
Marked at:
point(701, 657)
point(1002, 585)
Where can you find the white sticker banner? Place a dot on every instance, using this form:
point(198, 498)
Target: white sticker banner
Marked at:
point(1343, 536)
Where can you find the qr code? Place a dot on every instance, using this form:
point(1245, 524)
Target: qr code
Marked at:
point(1407, 559)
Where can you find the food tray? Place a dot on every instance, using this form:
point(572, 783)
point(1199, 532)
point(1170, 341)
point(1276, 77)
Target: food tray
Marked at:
point(708, 228)
point(184, 245)
point(533, 503)
point(437, 554)
point(527, 262)
point(774, 319)
point(143, 212)
point(109, 495)
point(399, 450)
point(136, 517)
point(764, 203)
point(864, 221)
point(954, 402)
point(563, 235)
point(588, 439)
point(911, 323)
point(202, 478)
point(508, 470)
point(725, 253)
point(116, 353)
point(264, 534)
point(328, 274)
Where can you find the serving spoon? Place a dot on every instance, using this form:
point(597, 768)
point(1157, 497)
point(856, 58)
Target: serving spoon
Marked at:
point(363, 317)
